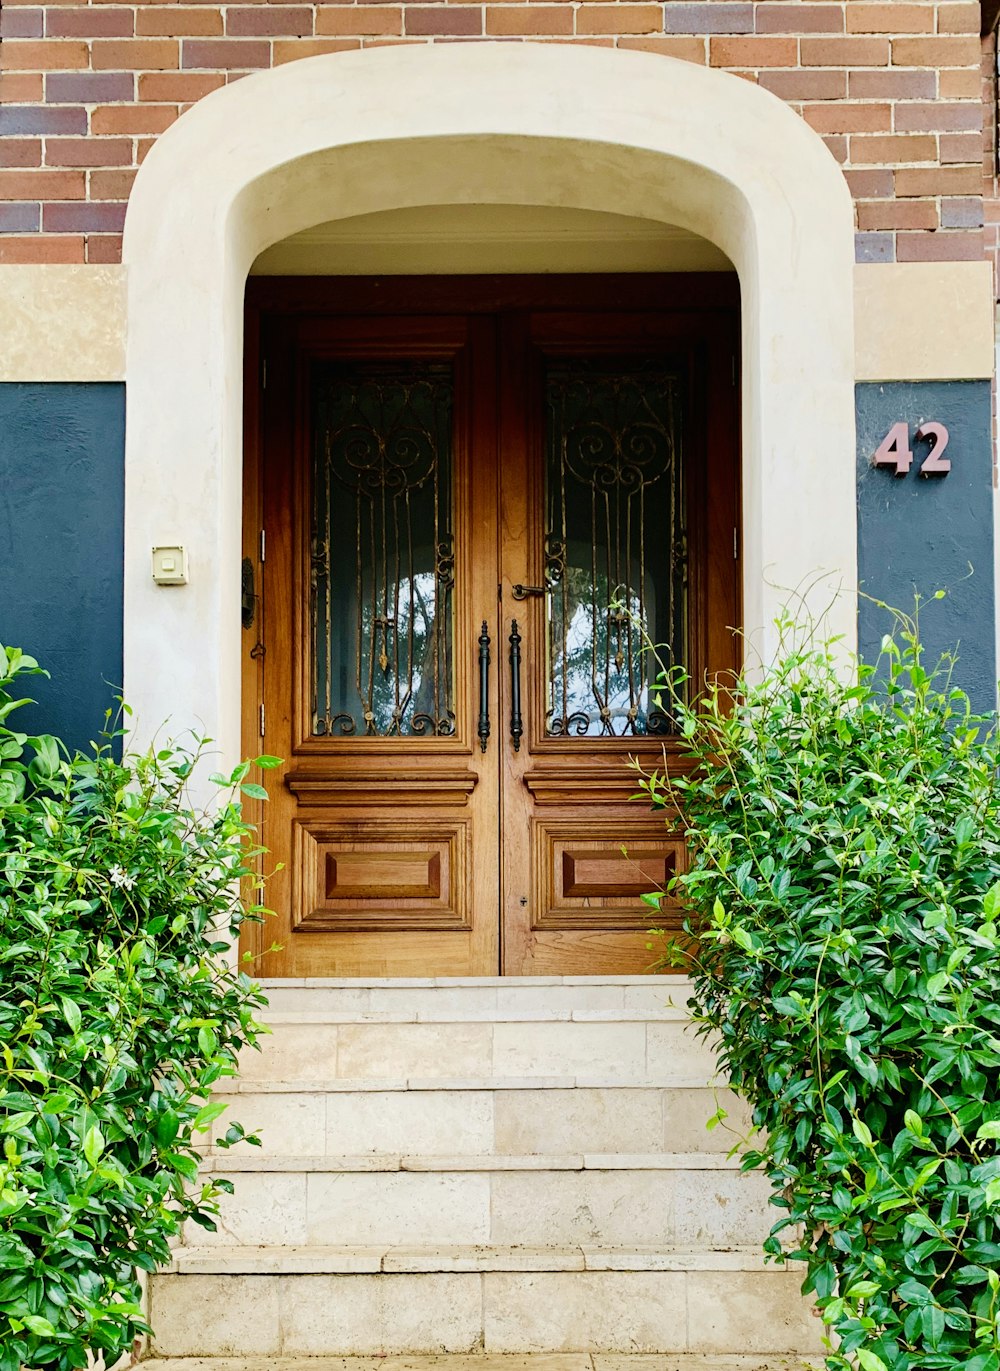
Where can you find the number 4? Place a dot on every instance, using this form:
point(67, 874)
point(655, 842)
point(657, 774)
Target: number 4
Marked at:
point(894, 450)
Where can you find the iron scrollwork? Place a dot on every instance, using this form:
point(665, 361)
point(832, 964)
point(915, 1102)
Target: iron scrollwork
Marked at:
point(616, 546)
point(383, 557)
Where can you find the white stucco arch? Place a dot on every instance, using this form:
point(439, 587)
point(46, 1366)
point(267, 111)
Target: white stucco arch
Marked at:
point(552, 124)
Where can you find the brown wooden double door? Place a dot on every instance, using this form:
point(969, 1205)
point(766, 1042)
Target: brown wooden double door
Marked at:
point(473, 521)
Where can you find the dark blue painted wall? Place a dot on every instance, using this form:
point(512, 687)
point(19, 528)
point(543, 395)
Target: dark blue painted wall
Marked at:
point(62, 476)
point(923, 534)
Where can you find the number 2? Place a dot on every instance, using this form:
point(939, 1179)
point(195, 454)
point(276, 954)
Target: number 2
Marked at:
point(935, 463)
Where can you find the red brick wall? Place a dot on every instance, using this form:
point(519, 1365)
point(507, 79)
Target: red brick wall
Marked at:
point(895, 89)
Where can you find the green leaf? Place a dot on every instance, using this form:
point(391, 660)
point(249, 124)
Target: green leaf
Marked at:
point(71, 1013)
point(868, 1361)
point(93, 1144)
point(932, 1323)
point(185, 1166)
point(914, 1122)
point(989, 1130)
point(207, 1115)
point(913, 1292)
point(34, 1323)
point(167, 1127)
point(926, 1172)
point(863, 1288)
point(13, 1122)
point(861, 1131)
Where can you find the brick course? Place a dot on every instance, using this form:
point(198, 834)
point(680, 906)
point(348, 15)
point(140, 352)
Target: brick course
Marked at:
point(897, 89)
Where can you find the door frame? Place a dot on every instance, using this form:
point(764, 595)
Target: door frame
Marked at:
point(345, 134)
point(703, 306)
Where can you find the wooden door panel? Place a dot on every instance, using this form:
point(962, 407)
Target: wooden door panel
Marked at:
point(384, 815)
point(588, 879)
point(604, 874)
point(578, 853)
point(380, 877)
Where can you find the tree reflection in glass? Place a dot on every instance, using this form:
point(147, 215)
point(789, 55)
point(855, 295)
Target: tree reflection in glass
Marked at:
point(616, 546)
point(382, 553)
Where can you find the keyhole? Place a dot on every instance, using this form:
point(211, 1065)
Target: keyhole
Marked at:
point(524, 900)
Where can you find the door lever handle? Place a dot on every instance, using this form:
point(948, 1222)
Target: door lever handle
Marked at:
point(484, 687)
point(521, 592)
point(516, 722)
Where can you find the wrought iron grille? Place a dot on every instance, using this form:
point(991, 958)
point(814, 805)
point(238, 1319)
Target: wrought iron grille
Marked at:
point(616, 543)
point(383, 565)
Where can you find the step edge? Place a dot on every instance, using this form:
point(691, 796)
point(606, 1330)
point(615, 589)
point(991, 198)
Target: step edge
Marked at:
point(362, 1018)
point(469, 1258)
point(668, 980)
point(394, 1084)
point(244, 1164)
point(493, 1361)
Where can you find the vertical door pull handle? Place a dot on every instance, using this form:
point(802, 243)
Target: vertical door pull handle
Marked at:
point(516, 722)
point(484, 687)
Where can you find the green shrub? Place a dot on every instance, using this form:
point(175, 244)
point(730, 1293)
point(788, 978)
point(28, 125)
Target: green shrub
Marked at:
point(118, 1014)
point(845, 893)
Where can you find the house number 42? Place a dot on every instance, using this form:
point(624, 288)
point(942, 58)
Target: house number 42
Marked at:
point(894, 450)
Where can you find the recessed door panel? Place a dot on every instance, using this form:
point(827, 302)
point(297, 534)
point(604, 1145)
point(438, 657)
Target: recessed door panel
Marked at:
point(380, 877)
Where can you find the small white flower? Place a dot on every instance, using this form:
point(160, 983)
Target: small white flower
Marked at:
point(119, 876)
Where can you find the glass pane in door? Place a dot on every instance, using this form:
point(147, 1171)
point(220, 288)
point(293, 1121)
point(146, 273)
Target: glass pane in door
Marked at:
point(616, 544)
point(382, 550)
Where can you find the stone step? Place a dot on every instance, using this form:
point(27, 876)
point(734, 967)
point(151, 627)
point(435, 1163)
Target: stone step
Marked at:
point(483, 1361)
point(368, 1260)
point(227, 1164)
point(692, 1310)
point(617, 1049)
point(699, 1207)
point(525, 994)
point(486, 1117)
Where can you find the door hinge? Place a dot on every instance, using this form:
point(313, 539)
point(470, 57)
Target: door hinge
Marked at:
point(736, 544)
point(262, 721)
point(263, 373)
point(263, 546)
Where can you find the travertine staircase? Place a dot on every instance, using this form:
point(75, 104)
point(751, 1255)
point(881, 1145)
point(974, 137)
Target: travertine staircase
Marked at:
point(490, 1166)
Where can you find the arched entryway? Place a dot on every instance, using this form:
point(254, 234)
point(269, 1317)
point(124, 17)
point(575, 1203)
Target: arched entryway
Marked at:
point(553, 127)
